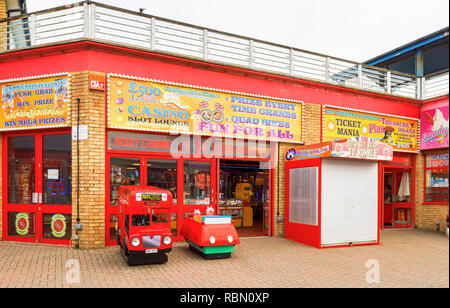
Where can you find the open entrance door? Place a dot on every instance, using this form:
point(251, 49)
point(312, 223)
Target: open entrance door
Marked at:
point(244, 194)
point(398, 192)
point(398, 205)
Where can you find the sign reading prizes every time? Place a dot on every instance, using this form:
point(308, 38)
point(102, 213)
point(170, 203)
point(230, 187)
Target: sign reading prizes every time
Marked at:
point(400, 133)
point(35, 103)
point(144, 105)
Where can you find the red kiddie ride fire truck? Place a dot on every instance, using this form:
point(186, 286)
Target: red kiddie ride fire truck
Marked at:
point(144, 232)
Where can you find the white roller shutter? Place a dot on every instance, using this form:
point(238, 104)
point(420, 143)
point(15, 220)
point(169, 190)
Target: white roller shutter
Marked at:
point(349, 201)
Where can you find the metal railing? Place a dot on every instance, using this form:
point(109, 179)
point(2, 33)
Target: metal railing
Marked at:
point(103, 23)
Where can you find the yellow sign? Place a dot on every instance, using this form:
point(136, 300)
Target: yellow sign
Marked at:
point(398, 132)
point(138, 104)
point(37, 103)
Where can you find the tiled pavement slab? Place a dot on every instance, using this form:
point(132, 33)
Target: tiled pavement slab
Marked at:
point(406, 258)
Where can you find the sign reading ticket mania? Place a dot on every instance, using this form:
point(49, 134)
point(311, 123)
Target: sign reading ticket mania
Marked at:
point(35, 103)
point(138, 104)
point(399, 132)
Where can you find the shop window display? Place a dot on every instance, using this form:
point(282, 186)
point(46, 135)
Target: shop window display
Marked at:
point(21, 169)
point(124, 171)
point(197, 183)
point(437, 178)
point(162, 173)
point(57, 169)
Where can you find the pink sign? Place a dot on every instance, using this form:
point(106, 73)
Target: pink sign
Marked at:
point(362, 148)
point(434, 128)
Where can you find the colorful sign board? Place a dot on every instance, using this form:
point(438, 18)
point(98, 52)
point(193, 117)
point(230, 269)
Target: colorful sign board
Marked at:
point(437, 160)
point(141, 104)
point(399, 132)
point(434, 128)
point(97, 81)
point(354, 148)
point(35, 103)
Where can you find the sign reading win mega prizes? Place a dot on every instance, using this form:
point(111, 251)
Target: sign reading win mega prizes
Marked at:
point(38, 103)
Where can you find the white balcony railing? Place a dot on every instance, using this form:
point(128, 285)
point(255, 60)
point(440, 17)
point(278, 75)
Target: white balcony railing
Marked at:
point(103, 23)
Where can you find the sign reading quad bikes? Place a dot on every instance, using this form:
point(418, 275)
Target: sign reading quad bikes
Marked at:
point(142, 104)
point(399, 132)
point(35, 102)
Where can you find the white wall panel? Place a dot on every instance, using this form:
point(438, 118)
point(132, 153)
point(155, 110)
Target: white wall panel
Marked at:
point(349, 201)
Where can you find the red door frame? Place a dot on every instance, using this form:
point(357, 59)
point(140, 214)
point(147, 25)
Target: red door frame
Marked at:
point(38, 209)
point(271, 161)
point(408, 205)
point(306, 234)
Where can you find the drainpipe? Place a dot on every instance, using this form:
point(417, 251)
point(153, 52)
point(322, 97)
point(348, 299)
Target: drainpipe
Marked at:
point(18, 33)
point(78, 226)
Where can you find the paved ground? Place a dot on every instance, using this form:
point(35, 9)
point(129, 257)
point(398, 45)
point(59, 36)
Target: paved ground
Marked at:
point(406, 258)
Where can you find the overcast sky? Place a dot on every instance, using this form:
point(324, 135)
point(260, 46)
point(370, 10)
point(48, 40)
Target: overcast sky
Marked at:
point(350, 29)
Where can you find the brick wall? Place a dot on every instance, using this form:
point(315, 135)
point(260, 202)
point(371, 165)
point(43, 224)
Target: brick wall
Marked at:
point(92, 162)
point(427, 215)
point(312, 135)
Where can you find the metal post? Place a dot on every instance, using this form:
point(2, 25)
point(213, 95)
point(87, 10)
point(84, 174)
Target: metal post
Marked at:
point(250, 54)
point(152, 33)
point(32, 27)
point(389, 82)
point(77, 243)
point(205, 45)
point(327, 69)
point(291, 62)
point(92, 21)
point(86, 19)
point(360, 75)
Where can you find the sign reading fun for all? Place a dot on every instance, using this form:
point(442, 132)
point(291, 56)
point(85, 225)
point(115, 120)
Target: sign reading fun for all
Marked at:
point(35, 103)
point(139, 104)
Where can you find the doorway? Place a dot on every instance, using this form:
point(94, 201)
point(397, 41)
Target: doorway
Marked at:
point(398, 196)
point(244, 194)
point(37, 194)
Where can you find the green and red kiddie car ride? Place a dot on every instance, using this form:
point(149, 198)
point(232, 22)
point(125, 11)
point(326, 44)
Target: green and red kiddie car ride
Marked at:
point(213, 237)
point(144, 224)
point(144, 233)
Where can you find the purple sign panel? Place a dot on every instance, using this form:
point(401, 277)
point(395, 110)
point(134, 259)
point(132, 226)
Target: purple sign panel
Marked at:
point(434, 128)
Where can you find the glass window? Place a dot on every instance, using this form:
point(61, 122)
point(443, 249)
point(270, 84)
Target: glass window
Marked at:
point(123, 171)
point(57, 169)
point(21, 172)
point(437, 178)
point(113, 227)
point(197, 183)
point(57, 226)
point(162, 173)
point(140, 220)
point(21, 224)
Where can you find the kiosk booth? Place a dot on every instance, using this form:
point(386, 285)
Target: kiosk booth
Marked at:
point(333, 192)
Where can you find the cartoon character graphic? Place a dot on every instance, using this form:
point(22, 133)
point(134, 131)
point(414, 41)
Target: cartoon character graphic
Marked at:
point(388, 135)
point(209, 211)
